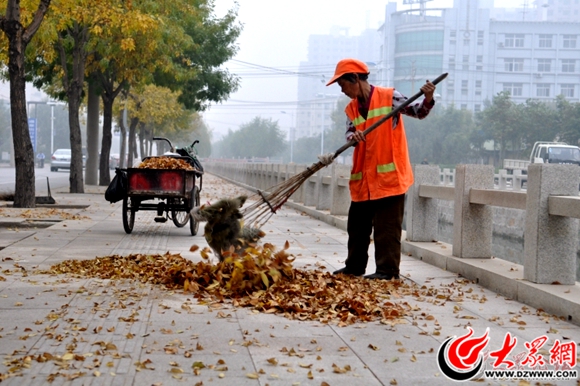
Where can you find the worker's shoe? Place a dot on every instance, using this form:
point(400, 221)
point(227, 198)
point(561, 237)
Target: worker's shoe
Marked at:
point(346, 271)
point(382, 276)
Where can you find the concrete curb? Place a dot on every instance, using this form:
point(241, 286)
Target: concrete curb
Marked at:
point(503, 277)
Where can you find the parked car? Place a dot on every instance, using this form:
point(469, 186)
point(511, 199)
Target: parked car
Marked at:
point(60, 159)
point(114, 161)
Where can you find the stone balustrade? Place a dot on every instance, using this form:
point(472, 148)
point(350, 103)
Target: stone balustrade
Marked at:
point(551, 205)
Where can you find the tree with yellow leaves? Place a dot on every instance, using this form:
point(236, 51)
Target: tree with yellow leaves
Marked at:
point(19, 24)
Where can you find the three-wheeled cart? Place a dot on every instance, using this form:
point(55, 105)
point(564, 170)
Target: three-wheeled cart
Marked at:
point(172, 193)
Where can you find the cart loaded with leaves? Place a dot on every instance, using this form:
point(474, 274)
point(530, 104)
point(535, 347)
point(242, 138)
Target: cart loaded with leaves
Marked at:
point(165, 184)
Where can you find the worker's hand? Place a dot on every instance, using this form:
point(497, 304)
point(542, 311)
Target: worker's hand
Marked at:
point(428, 90)
point(358, 136)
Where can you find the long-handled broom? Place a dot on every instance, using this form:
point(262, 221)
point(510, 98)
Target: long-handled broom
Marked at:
point(268, 202)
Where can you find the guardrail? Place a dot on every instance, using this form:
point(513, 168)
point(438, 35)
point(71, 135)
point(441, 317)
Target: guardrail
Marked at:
point(551, 204)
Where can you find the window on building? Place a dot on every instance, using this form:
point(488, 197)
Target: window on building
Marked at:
point(477, 92)
point(452, 62)
point(514, 65)
point(450, 91)
point(464, 92)
point(477, 108)
point(465, 42)
point(570, 41)
point(545, 41)
point(514, 40)
point(543, 89)
point(544, 65)
point(464, 83)
point(463, 107)
point(479, 68)
point(515, 89)
point(466, 62)
point(567, 90)
point(479, 58)
point(478, 83)
point(452, 34)
point(568, 65)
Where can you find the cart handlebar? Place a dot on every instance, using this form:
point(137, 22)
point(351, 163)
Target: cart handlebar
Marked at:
point(172, 149)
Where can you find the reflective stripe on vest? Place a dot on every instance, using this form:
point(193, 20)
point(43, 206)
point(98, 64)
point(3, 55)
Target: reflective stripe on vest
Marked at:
point(379, 112)
point(386, 168)
point(372, 114)
point(356, 176)
point(380, 169)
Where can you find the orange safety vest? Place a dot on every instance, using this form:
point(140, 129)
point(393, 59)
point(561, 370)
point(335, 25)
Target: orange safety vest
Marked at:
point(381, 165)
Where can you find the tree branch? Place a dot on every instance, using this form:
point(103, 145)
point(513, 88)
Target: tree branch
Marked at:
point(35, 24)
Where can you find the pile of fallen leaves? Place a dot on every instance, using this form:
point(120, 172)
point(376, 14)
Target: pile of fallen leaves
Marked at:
point(165, 163)
point(262, 278)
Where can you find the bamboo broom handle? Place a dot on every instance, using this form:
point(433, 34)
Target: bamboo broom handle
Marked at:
point(386, 117)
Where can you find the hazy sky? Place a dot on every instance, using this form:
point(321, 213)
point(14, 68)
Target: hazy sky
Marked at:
point(275, 35)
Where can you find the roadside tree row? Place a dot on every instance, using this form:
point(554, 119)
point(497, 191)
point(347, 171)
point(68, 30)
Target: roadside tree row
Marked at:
point(159, 61)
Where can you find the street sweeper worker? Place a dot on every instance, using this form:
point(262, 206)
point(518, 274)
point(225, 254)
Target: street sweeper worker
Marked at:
point(381, 172)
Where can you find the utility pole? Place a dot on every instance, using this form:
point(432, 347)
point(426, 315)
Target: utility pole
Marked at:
point(413, 74)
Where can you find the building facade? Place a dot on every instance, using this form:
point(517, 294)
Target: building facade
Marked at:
point(537, 57)
point(316, 101)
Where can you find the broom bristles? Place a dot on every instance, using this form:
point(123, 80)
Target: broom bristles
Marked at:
point(268, 202)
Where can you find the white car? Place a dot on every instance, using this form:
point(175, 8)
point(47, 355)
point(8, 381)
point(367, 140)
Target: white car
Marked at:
point(60, 159)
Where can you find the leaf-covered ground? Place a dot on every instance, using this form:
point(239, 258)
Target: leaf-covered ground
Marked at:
point(262, 278)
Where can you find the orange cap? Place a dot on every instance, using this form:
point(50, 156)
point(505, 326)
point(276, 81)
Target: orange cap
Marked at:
point(348, 66)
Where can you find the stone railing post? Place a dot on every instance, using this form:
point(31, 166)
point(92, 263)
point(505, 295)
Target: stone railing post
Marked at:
point(472, 223)
point(502, 182)
point(325, 188)
point(311, 189)
point(550, 242)
point(341, 190)
point(422, 215)
point(298, 196)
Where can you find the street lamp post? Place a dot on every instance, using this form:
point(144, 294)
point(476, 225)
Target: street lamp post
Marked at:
point(291, 135)
point(51, 104)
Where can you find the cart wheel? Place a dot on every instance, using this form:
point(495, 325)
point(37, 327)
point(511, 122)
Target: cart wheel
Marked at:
point(180, 217)
point(128, 216)
point(193, 223)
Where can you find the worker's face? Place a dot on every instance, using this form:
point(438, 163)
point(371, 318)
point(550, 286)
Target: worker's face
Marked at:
point(349, 88)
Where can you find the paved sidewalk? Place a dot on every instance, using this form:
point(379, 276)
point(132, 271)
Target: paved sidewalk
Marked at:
point(74, 331)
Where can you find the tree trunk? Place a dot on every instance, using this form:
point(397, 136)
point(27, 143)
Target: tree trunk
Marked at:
point(122, 150)
point(76, 179)
point(108, 96)
point(18, 38)
point(132, 145)
point(24, 190)
point(74, 93)
point(73, 84)
point(92, 166)
point(107, 140)
point(142, 139)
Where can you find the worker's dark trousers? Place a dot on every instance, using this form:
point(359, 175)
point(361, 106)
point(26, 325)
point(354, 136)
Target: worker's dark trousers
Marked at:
point(386, 216)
